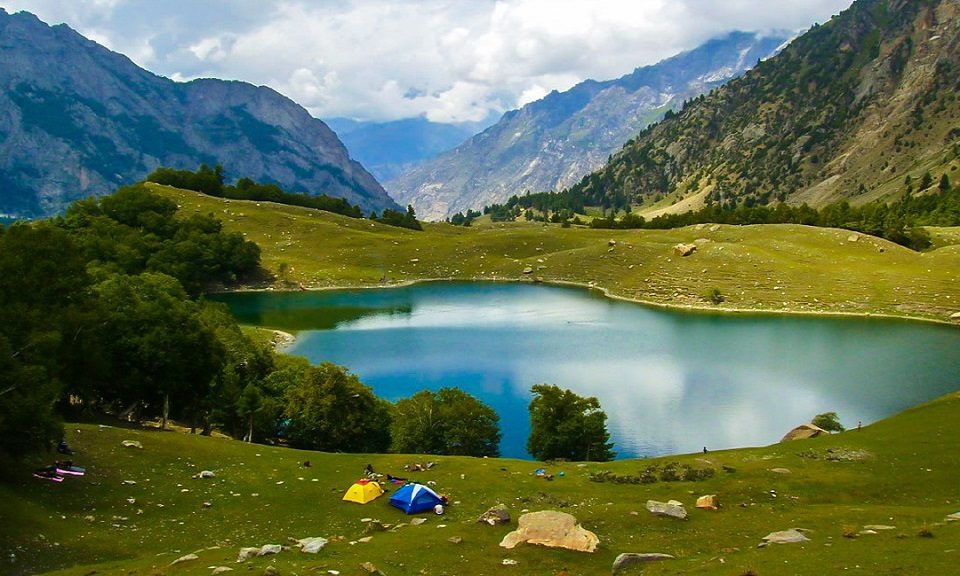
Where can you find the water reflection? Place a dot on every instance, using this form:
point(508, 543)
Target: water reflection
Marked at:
point(669, 382)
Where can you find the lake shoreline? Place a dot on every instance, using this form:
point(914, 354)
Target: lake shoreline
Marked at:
point(690, 308)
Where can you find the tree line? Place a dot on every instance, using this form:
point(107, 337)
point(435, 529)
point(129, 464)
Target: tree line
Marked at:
point(210, 181)
point(933, 203)
point(102, 312)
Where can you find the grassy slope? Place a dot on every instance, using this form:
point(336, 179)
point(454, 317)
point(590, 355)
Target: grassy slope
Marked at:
point(263, 495)
point(765, 268)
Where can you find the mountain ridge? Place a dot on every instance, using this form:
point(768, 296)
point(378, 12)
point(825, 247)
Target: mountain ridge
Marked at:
point(853, 109)
point(82, 120)
point(553, 142)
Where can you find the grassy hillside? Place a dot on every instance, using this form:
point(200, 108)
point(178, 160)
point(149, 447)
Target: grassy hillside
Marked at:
point(758, 268)
point(848, 110)
point(896, 473)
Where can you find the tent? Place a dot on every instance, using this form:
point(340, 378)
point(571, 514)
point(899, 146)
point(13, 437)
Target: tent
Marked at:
point(363, 491)
point(414, 498)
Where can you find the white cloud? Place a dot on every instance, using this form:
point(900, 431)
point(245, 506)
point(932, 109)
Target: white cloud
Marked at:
point(383, 59)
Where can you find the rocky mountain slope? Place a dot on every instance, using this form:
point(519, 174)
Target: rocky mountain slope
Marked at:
point(859, 108)
point(389, 148)
point(552, 143)
point(77, 120)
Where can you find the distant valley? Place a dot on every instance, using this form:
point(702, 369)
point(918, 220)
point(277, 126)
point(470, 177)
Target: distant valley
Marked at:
point(553, 142)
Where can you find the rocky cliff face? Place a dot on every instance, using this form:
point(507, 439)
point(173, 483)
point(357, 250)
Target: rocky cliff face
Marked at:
point(552, 143)
point(78, 120)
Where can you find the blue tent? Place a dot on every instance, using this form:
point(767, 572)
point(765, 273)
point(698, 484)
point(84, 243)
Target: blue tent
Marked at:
point(414, 498)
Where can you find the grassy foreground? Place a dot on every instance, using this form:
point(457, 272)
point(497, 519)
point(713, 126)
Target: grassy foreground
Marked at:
point(756, 268)
point(899, 472)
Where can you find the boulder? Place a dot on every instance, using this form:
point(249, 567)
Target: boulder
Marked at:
point(708, 502)
point(628, 559)
point(791, 536)
point(673, 509)
point(185, 558)
point(955, 316)
point(953, 517)
point(804, 431)
point(497, 515)
point(684, 249)
point(553, 529)
point(311, 545)
point(611, 242)
point(131, 444)
point(853, 238)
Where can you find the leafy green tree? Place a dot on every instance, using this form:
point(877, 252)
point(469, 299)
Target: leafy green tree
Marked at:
point(161, 351)
point(449, 421)
point(565, 425)
point(331, 410)
point(944, 184)
point(829, 421)
point(43, 291)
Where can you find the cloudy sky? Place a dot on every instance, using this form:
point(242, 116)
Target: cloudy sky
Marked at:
point(450, 60)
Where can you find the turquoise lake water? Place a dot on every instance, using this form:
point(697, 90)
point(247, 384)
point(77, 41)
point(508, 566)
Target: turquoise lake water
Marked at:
point(670, 382)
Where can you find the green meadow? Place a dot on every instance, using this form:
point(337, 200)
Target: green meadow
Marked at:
point(768, 268)
point(138, 510)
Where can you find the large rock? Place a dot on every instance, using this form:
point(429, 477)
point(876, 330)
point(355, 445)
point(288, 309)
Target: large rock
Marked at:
point(791, 536)
point(628, 559)
point(247, 553)
point(267, 549)
point(955, 316)
point(499, 514)
point(804, 431)
point(553, 529)
point(685, 249)
point(673, 509)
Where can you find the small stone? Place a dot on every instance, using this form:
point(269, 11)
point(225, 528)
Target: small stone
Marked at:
point(509, 562)
point(628, 559)
point(528, 270)
point(311, 545)
point(246, 554)
point(269, 549)
point(207, 504)
point(221, 570)
point(955, 316)
point(672, 509)
point(129, 482)
point(271, 571)
point(365, 539)
point(867, 532)
point(455, 539)
point(685, 249)
point(853, 238)
point(414, 260)
point(708, 502)
point(206, 474)
point(131, 444)
point(89, 518)
point(611, 242)
point(879, 527)
point(780, 470)
point(417, 521)
point(790, 536)
point(955, 517)
point(185, 558)
point(496, 515)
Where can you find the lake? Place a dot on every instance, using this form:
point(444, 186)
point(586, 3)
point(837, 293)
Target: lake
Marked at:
point(670, 382)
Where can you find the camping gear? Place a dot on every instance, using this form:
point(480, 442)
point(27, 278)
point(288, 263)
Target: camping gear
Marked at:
point(48, 473)
point(414, 498)
point(67, 467)
point(363, 491)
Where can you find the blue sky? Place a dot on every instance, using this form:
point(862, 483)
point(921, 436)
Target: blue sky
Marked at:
point(450, 61)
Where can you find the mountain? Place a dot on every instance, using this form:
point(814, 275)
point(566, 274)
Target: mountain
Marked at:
point(80, 120)
point(853, 109)
point(553, 142)
point(389, 148)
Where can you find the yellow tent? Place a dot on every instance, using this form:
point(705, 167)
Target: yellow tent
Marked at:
point(363, 491)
